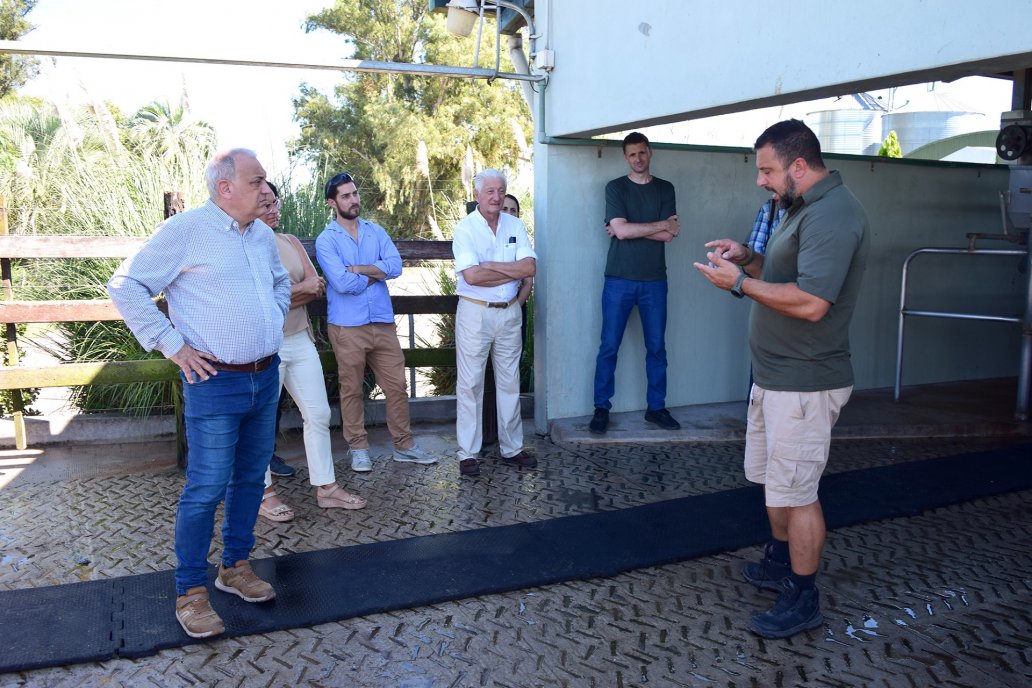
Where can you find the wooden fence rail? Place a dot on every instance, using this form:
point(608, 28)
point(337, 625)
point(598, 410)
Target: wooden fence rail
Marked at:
point(13, 312)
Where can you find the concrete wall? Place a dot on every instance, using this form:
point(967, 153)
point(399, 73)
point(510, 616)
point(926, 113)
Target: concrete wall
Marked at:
point(619, 65)
point(910, 204)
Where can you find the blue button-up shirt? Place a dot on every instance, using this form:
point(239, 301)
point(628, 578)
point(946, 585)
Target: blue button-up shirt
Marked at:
point(767, 220)
point(353, 300)
point(227, 291)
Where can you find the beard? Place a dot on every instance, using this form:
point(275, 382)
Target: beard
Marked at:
point(787, 197)
point(350, 213)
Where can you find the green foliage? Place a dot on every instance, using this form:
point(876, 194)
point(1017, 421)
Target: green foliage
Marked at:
point(179, 145)
point(88, 173)
point(15, 70)
point(442, 379)
point(7, 406)
point(890, 147)
point(374, 123)
point(304, 212)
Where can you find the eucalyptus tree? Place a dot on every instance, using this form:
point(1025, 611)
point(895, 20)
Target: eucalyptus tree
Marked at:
point(15, 70)
point(404, 137)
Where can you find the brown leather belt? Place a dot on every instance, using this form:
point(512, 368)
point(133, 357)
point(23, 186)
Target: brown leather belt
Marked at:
point(491, 304)
point(255, 367)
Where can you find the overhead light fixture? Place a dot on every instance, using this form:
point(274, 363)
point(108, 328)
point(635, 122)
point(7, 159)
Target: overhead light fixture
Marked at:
point(462, 15)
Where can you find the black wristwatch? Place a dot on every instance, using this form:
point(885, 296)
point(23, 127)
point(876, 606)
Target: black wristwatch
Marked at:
point(736, 288)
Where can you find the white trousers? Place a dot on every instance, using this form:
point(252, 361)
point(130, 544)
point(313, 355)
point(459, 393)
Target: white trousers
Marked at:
point(302, 374)
point(479, 332)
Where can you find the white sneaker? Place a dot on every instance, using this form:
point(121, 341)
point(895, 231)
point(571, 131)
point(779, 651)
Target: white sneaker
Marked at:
point(360, 461)
point(414, 455)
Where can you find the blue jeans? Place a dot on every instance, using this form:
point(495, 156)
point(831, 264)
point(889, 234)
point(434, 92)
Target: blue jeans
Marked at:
point(231, 432)
point(619, 296)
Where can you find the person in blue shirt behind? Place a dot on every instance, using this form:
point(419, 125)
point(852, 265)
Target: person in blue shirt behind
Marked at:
point(767, 219)
point(357, 258)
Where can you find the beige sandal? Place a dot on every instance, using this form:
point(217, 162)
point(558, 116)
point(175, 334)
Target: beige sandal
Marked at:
point(279, 513)
point(338, 498)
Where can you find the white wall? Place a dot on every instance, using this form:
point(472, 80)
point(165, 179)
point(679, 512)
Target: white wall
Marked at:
point(910, 204)
point(619, 65)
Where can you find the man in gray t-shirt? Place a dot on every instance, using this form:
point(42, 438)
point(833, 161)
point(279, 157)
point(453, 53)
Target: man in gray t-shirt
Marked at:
point(641, 219)
point(804, 289)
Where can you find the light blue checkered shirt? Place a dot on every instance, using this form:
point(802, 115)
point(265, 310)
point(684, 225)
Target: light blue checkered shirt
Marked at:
point(227, 292)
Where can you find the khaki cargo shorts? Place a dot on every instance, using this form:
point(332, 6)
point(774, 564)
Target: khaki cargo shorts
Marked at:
point(787, 441)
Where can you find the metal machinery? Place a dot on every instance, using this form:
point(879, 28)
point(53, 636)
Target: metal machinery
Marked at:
point(1014, 142)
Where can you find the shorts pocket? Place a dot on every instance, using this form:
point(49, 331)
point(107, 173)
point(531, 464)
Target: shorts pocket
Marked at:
point(799, 465)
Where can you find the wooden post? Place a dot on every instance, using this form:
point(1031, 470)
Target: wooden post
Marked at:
point(174, 205)
point(12, 339)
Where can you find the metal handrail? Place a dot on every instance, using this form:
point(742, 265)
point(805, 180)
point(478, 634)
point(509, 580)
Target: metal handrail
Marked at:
point(1021, 410)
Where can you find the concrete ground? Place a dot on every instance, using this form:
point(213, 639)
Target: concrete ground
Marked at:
point(939, 599)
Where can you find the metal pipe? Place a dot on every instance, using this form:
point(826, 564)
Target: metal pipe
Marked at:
point(963, 316)
point(1025, 365)
point(480, 33)
point(23, 48)
point(498, 37)
point(1021, 411)
point(519, 61)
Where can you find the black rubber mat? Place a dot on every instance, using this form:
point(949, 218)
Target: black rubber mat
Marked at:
point(132, 616)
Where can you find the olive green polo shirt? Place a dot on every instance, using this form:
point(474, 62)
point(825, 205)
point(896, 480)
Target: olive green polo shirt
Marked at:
point(821, 247)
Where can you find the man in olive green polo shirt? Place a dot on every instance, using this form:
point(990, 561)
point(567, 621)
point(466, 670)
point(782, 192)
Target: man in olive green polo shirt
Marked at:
point(804, 291)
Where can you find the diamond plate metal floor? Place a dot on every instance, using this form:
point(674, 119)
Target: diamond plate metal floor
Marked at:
point(942, 599)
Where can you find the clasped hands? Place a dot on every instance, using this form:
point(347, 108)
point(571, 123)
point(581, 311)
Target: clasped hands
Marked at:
point(314, 285)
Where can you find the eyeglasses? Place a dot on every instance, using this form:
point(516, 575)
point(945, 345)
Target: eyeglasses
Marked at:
point(335, 181)
point(276, 205)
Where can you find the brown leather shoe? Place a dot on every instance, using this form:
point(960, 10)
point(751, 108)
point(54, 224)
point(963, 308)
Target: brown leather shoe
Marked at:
point(241, 580)
point(470, 467)
point(195, 615)
point(523, 460)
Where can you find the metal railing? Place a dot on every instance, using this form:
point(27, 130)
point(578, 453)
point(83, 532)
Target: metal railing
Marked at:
point(1021, 405)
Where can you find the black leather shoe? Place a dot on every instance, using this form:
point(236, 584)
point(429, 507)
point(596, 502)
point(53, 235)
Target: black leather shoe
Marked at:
point(279, 467)
point(523, 460)
point(599, 422)
point(470, 467)
point(663, 419)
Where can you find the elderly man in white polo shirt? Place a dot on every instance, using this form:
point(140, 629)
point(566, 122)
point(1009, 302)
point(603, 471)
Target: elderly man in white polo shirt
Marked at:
point(492, 255)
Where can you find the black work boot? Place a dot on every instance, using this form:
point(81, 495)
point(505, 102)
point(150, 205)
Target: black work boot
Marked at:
point(796, 610)
point(766, 574)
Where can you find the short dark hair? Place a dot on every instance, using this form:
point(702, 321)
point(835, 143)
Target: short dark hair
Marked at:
point(335, 181)
point(635, 137)
point(275, 191)
point(791, 139)
point(514, 200)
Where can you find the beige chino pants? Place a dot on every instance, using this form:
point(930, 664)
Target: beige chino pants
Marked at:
point(375, 345)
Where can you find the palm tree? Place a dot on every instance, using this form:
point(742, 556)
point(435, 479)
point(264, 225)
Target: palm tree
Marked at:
point(170, 136)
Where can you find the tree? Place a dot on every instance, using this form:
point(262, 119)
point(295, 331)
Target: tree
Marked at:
point(377, 126)
point(68, 172)
point(15, 70)
point(890, 148)
point(167, 134)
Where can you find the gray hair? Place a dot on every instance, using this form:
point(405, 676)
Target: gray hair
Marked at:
point(223, 166)
point(484, 175)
